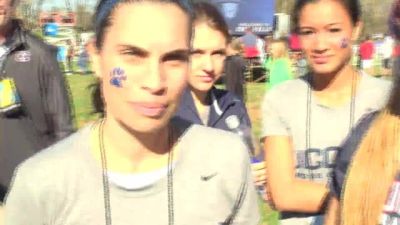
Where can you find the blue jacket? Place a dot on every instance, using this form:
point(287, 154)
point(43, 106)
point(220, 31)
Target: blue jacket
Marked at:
point(225, 106)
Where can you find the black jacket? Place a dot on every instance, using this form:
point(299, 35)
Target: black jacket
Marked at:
point(234, 68)
point(45, 116)
point(225, 105)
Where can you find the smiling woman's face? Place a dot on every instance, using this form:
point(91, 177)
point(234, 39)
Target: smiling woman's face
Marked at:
point(326, 41)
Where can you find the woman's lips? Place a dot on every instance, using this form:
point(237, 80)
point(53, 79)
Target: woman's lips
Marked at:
point(150, 109)
point(206, 79)
point(321, 59)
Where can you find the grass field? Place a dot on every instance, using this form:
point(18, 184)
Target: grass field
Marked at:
point(81, 95)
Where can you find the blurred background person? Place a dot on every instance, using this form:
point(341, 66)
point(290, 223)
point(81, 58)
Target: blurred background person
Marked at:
point(234, 69)
point(300, 64)
point(70, 56)
point(278, 64)
point(261, 48)
point(387, 54)
point(249, 40)
point(83, 60)
point(367, 52)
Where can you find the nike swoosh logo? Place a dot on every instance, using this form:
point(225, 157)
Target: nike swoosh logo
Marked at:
point(209, 177)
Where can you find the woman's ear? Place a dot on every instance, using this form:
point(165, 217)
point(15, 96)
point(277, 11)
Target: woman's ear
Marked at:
point(94, 54)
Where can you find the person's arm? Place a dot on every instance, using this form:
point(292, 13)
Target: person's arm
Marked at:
point(56, 98)
point(289, 193)
point(333, 213)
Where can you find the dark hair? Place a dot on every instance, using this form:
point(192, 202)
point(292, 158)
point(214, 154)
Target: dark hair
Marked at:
point(97, 98)
point(393, 104)
point(394, 18)
point(105, 8)
point(352, 6)
point(394, 27)
point(208, 13)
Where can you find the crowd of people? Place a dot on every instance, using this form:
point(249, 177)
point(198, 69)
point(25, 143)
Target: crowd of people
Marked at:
point(172, 148)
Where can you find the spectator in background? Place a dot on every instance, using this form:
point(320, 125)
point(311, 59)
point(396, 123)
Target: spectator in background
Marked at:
point(367, 51)
point(294, 42)
point(61, 54)
point(234, 68)
point(70, 56)
point(34, 104)
point(249, 40)
point(83, 60)
point(278, 64)
point(261, 48)
point(387, 53)
point(300, 64)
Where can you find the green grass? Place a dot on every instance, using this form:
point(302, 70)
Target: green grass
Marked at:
point(255, 94)
point(81, 95)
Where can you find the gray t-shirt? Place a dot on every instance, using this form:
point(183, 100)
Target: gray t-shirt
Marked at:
point(63, 186)
point(285, 114)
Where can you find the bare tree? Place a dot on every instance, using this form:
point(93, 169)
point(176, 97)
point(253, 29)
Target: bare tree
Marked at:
point(84, 16)
point(28, 11)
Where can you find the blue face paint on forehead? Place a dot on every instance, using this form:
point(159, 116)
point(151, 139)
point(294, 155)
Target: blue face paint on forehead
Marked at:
point(117, 76)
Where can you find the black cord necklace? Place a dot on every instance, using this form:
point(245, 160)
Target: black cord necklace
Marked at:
point(106, 183)
point(308, 116)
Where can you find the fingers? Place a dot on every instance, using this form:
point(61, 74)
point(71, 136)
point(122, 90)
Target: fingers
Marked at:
point(259, 173)
point(260, 180)
point(258, 166)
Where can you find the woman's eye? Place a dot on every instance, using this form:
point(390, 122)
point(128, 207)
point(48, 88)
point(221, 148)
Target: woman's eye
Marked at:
point(335, 30)
point(220, 54)
point(177, 58)
point(130, 53)
point(306, 32)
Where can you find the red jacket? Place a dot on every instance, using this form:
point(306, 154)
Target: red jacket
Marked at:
point(367, 50)
point(396, 50)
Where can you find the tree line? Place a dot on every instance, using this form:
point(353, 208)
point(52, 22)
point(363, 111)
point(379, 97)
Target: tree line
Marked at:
point(374, 13)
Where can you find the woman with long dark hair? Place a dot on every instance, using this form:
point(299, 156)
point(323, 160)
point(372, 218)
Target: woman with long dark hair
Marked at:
point(305, 120)
point(136, 165)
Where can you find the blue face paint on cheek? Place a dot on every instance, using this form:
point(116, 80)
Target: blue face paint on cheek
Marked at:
point(344, 43)
point(117, 76)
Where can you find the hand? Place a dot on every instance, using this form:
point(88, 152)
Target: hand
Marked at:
point(259, 173)
point(260, 178)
